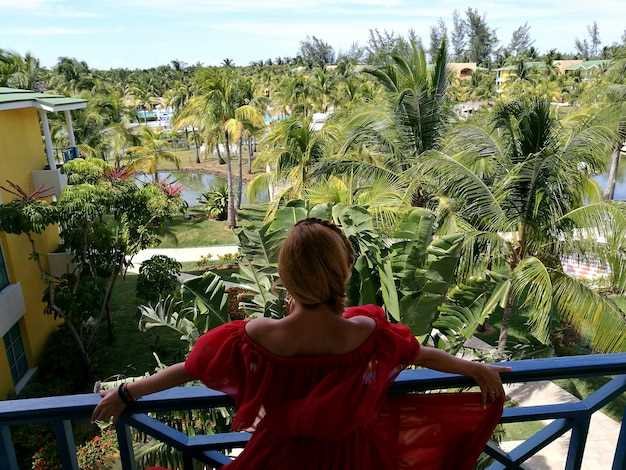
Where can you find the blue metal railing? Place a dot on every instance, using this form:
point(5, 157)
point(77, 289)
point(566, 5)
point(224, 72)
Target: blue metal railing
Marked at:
point(574, 417)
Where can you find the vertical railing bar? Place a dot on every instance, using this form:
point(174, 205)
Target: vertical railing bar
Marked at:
point(213, 457)
point(8, 459)
point(65, 444)
point(619, 461)
point(125, 444)
point(187, 461)
point(577, 442)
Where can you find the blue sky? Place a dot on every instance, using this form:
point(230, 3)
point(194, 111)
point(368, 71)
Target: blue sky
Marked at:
point(140, 33)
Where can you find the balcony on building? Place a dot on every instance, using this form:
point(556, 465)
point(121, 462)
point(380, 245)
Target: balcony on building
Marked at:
point(214, 451)
point(50, 175)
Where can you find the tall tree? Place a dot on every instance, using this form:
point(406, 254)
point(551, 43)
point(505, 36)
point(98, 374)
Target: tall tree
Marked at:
point(520, 40)
point(19, 71)
point(438, 33)
point(582, 48)
point(482, 39)
point(315, 51)
point(226, 105)
point(594, 39)
point(153, 150)
point(457, 38)
point(522, 200)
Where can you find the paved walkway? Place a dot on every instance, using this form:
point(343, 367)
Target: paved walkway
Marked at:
point(603, 430)
point(183, 255)
point(601, 440)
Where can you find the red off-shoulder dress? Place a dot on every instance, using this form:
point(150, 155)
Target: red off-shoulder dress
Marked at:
point(332, 412)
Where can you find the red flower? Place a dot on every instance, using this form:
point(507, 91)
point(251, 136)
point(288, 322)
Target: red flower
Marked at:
point(171, 189)
point(119, 174)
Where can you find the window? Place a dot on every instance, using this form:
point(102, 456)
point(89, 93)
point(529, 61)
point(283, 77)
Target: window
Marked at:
point(4, 277)
point(15, 353)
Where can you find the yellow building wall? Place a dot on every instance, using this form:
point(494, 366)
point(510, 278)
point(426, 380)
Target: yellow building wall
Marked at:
point(21, 152)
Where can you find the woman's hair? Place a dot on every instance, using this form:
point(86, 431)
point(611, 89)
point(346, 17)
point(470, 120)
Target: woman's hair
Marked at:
point(315, 263)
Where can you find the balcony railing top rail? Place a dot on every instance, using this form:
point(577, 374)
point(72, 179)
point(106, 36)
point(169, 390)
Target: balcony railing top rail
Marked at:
point(59, 411)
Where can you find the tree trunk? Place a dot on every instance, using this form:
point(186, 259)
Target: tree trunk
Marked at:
point(81, 347)
point(219, 154)
point(232, 216)
point(195, 141)
point(506, 318)
point(250, 155)
point(609, 192)
point(187, 137)
point(105, 310)
point(240, 181)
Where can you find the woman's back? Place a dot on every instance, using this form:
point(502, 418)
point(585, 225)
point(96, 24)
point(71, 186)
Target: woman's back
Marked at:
point(311, 331)
point(326, 410)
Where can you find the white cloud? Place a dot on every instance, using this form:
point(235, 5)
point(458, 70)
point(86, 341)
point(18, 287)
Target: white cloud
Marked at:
point(23, 4)
point(56, 31)
point(263, 6)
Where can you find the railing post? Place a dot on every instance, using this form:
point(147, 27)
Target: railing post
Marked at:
point(577, 441)
point(125, 444)
point(8, 458)
point(619, 461)
point(66, 445)
point(187, 461)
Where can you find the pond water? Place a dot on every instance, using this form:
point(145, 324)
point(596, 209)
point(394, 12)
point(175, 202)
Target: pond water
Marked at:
point(620, 184)
point(194, 183)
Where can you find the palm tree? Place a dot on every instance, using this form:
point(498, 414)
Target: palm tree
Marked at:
point(19, 71)
point(228, 112)
point(177, 98)
point(116, 143)
point(521, 194)
point(616, 97)
point(290, 149)
point(384, 137)
point(152, 151)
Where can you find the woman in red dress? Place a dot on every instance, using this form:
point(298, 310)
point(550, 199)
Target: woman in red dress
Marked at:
point(313, 385)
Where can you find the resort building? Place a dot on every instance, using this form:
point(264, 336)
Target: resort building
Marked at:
point(28, 159)
point(462, 70)
point(586, 68)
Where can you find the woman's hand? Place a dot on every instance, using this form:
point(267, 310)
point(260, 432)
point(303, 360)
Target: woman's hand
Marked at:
point(488, 379)
point(111, 406)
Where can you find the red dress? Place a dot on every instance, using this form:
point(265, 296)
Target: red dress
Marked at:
point(332, 412)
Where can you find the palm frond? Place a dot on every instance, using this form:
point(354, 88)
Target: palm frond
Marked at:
point(592, 314)
point(532, 287)
point(476, 201)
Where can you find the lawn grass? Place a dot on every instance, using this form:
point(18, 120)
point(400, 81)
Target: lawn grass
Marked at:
point(521, 431)
point(187, 233)
point(583, 387)
point(131, 352)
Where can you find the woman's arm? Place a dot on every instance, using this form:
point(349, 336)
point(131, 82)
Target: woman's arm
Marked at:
point(112, 405)
point(486, 376)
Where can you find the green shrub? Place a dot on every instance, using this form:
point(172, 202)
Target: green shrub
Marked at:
point(97, 453)
point(157, 278)
point(89, 170)
point(215, 202)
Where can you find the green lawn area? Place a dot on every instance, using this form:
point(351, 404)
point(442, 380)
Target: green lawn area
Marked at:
point(186, 233)
point(521, 431)
point(131, 353)
point(581, 388)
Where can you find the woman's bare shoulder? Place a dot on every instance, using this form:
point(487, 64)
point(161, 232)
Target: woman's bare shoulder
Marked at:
point(364, 322)
point(258, 327)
